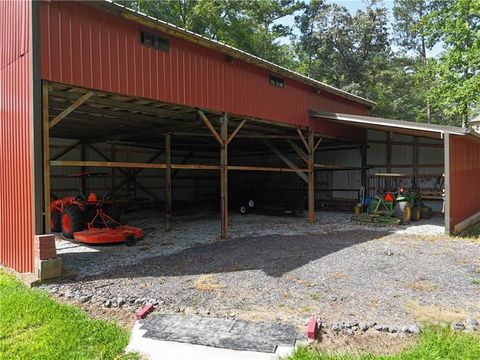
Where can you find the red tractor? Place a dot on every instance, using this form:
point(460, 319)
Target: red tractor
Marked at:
point(90, 220)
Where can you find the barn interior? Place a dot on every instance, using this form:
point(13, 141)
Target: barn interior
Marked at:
point(167, 160)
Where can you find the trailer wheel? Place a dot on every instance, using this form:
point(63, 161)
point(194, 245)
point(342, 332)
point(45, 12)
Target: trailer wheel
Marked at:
point(403, 212)
point(416, 213)
point(73, 220)
point(56, 221)
point(243, 209)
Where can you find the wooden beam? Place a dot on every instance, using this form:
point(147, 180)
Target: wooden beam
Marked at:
point(71, 108)
point(66, 150)
point(287, 161)
point(265, 168)
point(211, 128)
point(299, 151)
point(303, 140)
point(168, 183)
point(311, 179)
point(415, 161)
point(318, 143)
point(224, 177)
point(363, 154)
point(389, 151)
point(46, 158)
point(108, 164)
point(230, 138)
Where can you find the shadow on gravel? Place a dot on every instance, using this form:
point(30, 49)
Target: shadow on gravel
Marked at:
point(273, 254)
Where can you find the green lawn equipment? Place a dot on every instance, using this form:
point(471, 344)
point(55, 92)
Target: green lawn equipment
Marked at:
point(392, 204)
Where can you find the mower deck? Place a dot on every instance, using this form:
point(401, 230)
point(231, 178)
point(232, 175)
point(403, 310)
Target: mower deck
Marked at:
point(108, 235)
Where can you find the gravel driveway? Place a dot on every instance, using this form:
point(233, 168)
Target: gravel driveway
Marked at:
point(276, 268)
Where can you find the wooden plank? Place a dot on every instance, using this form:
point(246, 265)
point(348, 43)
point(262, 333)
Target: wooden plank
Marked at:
point(168, 183)
point(317, 144)
point(224, 177)
point(71, 108)
point(287, 161)
point(300, 134)
point(46, 158)
point(311, 179)
point(265, 169)
point(109, 164)
point(230, 138)
point(211, 128)
point(299, 151)
point(465, 224)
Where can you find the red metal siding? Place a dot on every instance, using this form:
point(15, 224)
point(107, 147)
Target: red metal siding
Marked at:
point(89, 48)
point(16, 210)
point(464, 178)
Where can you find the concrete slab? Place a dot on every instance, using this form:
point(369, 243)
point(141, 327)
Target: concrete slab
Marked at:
point(158, 344)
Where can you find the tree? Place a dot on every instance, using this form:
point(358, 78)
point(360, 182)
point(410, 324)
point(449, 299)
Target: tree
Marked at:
point(251, 25)
point(455, 23)
point(408, 15)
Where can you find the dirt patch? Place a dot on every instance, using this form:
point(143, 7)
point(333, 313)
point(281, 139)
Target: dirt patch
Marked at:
point(421, 285)
point(370, 342)
point(434, 314)
point(206, 283)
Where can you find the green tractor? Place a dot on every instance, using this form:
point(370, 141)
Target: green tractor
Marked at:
point(393, 205)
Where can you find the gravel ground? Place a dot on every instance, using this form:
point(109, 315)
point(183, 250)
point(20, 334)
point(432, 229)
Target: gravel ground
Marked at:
point(281, 268)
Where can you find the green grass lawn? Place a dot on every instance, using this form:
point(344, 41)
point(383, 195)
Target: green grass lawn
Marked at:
point(33, 326)
point(434, 343)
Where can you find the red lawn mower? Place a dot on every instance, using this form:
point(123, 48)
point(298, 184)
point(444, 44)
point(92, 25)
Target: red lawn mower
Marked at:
point(91, 220)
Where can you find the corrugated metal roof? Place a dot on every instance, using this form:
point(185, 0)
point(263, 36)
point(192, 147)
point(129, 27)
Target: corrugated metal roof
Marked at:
point(398, 126)
point(133, 15)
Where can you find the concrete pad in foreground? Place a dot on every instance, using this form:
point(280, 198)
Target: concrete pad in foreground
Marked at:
point(172, 350)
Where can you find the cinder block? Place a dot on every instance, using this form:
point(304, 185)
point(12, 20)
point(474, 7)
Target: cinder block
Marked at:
point(44, 247)
point(48, 269)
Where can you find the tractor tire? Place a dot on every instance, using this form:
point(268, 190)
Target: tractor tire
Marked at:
point(416, 213)
point(403, 212)
point(426, 212)
point(56, 221)
point(73, 220)
point(372, 205)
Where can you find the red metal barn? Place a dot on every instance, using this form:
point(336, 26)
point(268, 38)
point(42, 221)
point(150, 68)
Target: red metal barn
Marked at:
point(96, 71)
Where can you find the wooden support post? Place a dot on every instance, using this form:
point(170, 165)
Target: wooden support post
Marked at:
point(311, 179)
point(415, 161)
point(168, 183)
point(363, 153)
point(46, 158)
point(224, 177)
point(389, 151)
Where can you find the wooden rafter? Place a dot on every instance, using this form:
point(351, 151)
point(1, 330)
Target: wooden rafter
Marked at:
point(210, 127)
point(70, 109)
